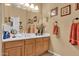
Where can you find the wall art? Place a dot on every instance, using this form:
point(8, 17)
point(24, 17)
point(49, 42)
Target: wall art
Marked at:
point(66, 10)
point(35, 18)
point(77, 6)
point(30, 21)
point(54, 12)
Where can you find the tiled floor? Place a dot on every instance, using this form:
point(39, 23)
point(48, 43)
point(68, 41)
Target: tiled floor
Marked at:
point(48, 54)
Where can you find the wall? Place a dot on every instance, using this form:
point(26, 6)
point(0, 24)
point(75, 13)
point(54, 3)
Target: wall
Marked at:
point(61, 45)
point(1, 17)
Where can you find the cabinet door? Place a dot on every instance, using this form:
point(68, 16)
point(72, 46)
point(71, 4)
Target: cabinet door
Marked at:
point(30, 47)
point(46, 44)
point(15, 51)
point(13, 48)
point(39, 46)
point(29, 50)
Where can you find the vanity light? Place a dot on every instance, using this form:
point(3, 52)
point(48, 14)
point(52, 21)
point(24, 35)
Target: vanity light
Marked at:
point(32, 6)
point(36, 8)
point(7, 4)
point(27, 4)
point(21, 3)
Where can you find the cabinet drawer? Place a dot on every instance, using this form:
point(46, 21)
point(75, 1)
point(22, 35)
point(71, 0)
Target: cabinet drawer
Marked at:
point(39, 40)
point(13, 44)
point(29, 41)
point(46, 39)
point(15, 51)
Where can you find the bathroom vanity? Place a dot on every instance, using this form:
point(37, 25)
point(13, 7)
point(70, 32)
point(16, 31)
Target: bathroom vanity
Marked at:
point(26, 46)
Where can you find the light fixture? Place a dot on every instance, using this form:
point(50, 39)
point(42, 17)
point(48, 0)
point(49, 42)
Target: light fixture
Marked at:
point(27, 4)
point(21, 3)
point(7, 4)
point(36, 8)
point(32, 6)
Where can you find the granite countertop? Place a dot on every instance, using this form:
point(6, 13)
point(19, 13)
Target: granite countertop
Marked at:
point(26, 36)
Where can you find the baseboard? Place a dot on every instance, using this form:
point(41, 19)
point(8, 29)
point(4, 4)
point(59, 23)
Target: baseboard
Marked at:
point(54, 53)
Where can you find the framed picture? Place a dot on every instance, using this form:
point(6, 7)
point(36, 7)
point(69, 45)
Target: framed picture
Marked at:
point(66, 10)
point(54, 12)
point(30, 21)
point(77, 6)
point(35, 19)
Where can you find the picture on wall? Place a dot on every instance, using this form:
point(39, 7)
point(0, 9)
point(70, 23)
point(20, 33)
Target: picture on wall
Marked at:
point(35, 18)
point(77, 6)
point(30, 21)
point(54, 12)
point(66, 10)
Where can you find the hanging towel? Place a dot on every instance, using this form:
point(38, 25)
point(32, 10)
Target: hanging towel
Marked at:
point(73, 34)
point(78, 33)
point(56, 30)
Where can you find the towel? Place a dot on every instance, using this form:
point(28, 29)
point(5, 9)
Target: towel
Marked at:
point(73, 33)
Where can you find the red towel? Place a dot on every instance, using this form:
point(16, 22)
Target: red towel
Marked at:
point(78, 33)
point(56, 30)
point(73, 34)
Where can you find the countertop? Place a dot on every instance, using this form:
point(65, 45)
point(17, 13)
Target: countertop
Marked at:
point(25, 36)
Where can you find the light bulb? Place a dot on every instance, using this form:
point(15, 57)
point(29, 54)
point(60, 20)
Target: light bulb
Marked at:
point(7, 4)
point(36, 8)
point(27, 5)
point(32, 6)
point(21, 3)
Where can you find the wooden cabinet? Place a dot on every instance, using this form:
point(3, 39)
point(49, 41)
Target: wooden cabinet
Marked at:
point(14, 51)
point(42, 45)
point(13, 48)
point(28, 47)
point(39, 46)
point(46, 44)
